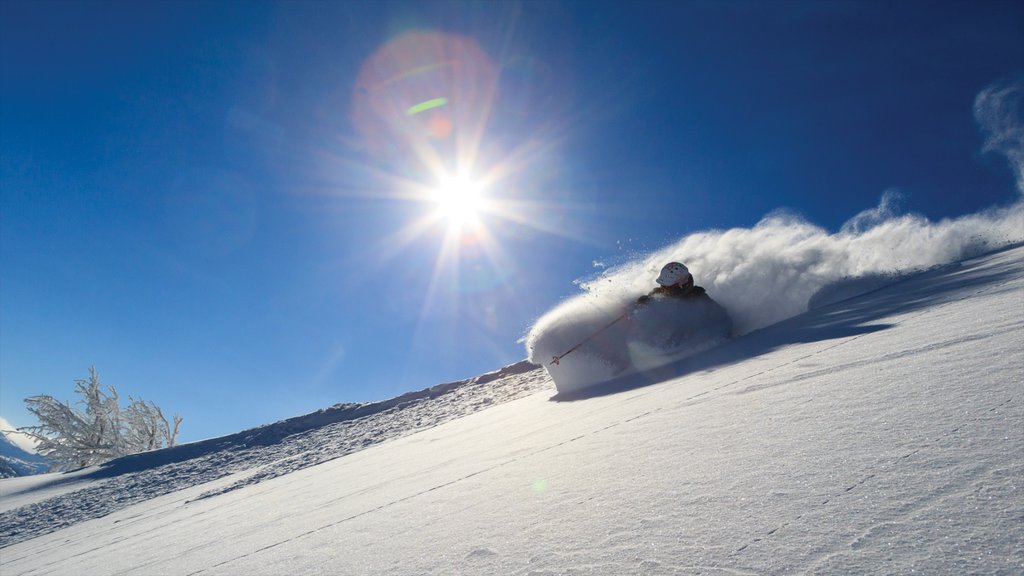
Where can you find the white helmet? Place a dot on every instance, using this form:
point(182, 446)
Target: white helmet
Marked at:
point(673, 273)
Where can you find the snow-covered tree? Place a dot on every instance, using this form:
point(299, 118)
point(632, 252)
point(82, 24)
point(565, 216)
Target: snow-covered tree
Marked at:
point(74, 438)
point(146, 428)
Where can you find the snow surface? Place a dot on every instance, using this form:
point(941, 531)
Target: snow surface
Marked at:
point(879, 434)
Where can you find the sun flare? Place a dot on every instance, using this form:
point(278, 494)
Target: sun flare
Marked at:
point(460, 200)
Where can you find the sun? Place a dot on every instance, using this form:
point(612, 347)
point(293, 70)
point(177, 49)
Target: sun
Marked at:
point(460, 201)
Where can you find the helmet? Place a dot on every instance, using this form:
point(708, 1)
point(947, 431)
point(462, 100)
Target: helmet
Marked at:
point(673, 273)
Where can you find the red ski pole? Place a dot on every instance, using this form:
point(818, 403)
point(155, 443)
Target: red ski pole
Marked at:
point(556, 359)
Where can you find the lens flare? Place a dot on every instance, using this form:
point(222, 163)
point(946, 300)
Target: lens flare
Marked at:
point(433, 132)
point(424, 106)
point(422, 102)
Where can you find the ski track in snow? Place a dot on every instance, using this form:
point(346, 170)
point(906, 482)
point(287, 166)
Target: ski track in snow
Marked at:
point(270, 451)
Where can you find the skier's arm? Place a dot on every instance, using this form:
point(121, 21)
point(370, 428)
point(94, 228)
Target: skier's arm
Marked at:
point(647, 297)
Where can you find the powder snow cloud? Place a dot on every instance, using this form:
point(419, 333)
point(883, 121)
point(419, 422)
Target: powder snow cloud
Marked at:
point(999, 111)
point(770, 272)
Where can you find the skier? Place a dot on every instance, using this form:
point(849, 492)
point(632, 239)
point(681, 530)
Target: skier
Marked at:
point(677, 312)
point(675, 282)
point(680, 314)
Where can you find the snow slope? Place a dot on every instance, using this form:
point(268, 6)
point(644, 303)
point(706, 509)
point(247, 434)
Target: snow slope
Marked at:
point(16, 461)
point(879, 434)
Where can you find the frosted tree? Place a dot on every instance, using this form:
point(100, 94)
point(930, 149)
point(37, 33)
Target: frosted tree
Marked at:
point(73, 437)
point(146, 428)
point(102, 417)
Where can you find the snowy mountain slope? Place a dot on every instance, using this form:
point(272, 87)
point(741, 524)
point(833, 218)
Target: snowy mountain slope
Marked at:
point(32, 507)
point(14, 461)
point(878, 434)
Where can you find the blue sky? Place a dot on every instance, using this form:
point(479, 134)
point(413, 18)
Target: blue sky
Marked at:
point(226, 207)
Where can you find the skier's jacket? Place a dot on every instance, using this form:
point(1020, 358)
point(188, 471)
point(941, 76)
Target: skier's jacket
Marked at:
point(701, 318)
point(685, 291)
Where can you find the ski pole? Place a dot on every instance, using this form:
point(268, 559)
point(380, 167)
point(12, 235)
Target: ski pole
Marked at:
point(556, 359)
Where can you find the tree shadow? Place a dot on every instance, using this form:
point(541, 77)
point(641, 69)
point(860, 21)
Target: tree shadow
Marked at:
point(862, 314)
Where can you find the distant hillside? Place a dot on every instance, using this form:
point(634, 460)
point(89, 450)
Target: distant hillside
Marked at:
point(17, 462)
